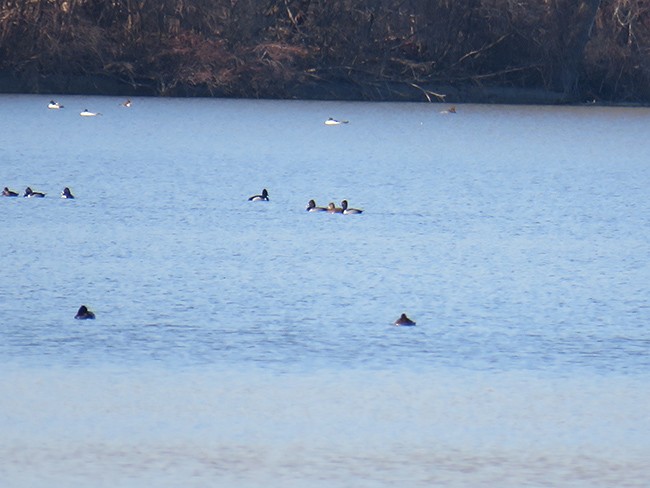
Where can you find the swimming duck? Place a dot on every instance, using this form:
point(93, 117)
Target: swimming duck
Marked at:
point(331, 208)
point(87, 113)
point(311, 207)
point(404, 321)
point(347, 211)
point(83, 313)
point(8, 193)
point(29, 193)
point(66, 193)
point(264, 197)
point(332, 121)
point(450, 110)
point(54, 105)
point(126, 104)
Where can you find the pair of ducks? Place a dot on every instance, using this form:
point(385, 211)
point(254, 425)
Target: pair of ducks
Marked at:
point(84, 314)
point(29, 193)
point(86, 113)
point(331, 208)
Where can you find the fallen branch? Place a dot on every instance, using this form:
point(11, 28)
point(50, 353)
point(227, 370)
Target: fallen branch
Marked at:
point(427, 93)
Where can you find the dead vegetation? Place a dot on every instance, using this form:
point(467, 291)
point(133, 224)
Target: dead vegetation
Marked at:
point(585, 49)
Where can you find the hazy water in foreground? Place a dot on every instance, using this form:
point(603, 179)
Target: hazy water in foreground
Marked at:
point(247, 343)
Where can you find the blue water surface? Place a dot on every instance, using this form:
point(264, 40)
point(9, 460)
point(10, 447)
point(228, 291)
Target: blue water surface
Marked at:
point(517, 237)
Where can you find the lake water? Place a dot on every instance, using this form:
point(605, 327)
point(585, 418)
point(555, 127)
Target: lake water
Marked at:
point(251, 344)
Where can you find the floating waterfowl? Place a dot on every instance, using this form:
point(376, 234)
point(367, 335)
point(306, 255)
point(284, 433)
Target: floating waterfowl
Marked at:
point(126, 104)
point(450, 110)
point(84, 314)
point(264, 197)
point(311, 207)
point(332, 121)
point(9, 193)
point(404, 321)
point(347, 210)
point(29, 193)
point(66, 193)
point(331, 208)
point(87, 113)
point(54, 105)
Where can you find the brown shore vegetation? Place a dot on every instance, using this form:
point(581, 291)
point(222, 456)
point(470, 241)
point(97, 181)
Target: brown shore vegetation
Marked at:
point(570, 51)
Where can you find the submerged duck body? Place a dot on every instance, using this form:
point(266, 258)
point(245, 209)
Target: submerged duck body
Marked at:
point(66, 193)
point(84, 314)
point(54, 105)
point(9, 193)
point(349, 211)
point(29, 193)
point(311, 207)
point(404, 321)
point(264, 197)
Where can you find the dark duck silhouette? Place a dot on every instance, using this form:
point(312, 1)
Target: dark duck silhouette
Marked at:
point(84, 314)
point(403, 320)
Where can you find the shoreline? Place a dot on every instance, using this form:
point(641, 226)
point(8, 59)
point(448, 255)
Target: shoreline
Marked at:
point(326, 90)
